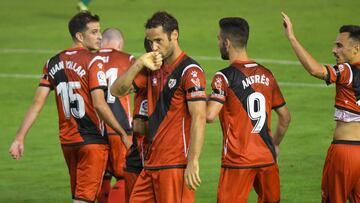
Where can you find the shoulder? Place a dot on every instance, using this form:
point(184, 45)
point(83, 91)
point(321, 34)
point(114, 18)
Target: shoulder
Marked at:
point(188, 64)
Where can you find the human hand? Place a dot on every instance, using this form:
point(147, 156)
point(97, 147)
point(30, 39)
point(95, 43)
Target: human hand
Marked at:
point(152, 60)
point(16, 149)
point(191, 175)
point(288, 28)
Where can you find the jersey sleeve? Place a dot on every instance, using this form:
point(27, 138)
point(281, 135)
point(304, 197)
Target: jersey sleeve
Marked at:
point(140, 80)
point(141, 105)
point(277, 97)
point(45, 80)
point(97, 76)
point(340, 74)
point(219, 86)
point(194, 84)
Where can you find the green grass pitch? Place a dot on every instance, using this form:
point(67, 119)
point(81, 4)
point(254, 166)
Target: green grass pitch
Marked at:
point(32, 31)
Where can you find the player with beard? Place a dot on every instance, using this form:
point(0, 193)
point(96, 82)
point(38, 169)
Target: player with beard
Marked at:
point(243, 96)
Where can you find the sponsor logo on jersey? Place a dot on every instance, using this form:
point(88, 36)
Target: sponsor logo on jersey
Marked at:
point(101, 78)
point(144, 108)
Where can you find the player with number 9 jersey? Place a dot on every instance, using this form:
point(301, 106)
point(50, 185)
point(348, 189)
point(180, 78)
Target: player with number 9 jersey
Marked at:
point(244, 95)
point(249, 93)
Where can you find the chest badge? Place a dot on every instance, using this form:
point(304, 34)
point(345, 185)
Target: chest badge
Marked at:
point(172, 83)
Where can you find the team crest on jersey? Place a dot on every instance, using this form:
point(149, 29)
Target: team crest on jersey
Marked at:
point(101, 78)
point(172, 83)
point(196, 82)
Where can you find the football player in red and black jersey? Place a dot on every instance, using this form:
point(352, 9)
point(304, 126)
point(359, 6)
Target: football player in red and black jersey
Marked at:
point(341, 173)
point(244, 95)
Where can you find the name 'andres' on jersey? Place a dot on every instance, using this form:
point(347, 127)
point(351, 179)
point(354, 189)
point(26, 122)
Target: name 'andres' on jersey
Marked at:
point(255, 79)
point(71, 65)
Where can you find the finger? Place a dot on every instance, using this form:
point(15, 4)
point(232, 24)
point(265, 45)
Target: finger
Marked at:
point(197, 180)
point(190, 183)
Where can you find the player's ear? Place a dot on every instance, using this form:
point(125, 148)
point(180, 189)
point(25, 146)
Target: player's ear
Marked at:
point(174, 35)
point(79, 36)
point(227, 43)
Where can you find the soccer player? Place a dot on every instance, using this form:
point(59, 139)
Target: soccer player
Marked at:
point(114, 62)
point(341, 173)
point(244, 95)
point(177, 115)
point(82, 134)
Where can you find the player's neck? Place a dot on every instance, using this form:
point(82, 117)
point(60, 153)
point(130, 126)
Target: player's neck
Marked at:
point(79, 45)
point(171, 59)
point(238, 55)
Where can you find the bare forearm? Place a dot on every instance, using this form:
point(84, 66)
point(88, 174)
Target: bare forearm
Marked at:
point(105, 114)
point(279, 134)
point(123, 84)
point(196, 137)
point(33, 112)
point(309, 63)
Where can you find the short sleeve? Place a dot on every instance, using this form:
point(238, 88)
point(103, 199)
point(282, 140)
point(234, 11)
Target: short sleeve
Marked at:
point(277, 97)
point(45, 80)
point(340, 74)
point(219, 87)
point(141, 105)
point(140, 80)
point(97, 77)
point(194, 83)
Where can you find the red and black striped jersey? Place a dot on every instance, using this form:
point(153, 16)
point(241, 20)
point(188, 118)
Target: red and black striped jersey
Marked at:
point(115, 63)
point(347, 79)
point(168, 91)
point(248, 92)
point(68, 73)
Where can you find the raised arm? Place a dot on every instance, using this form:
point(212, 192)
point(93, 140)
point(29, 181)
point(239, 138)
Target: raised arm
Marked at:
point(17, 146)
point(197, 111)
point(310, 64)
point(123, 84)
point(281, 126)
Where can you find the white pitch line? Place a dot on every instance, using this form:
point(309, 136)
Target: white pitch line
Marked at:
point(36, 76)
point(204, 58)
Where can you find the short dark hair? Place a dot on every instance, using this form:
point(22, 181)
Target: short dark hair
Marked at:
point(235, 29)
point(354, 31)
point(147, 45)
point(164, 19)
point(79, 21)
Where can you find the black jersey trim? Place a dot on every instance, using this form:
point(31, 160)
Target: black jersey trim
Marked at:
point(278, 106)
point(164, 167)
point(348, 142)
point(242, 167)
point(217, 100)
point(98, 87)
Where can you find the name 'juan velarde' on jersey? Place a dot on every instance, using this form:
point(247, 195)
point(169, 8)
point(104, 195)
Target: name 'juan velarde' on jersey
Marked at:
point(69, 65)
point(255, 79)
